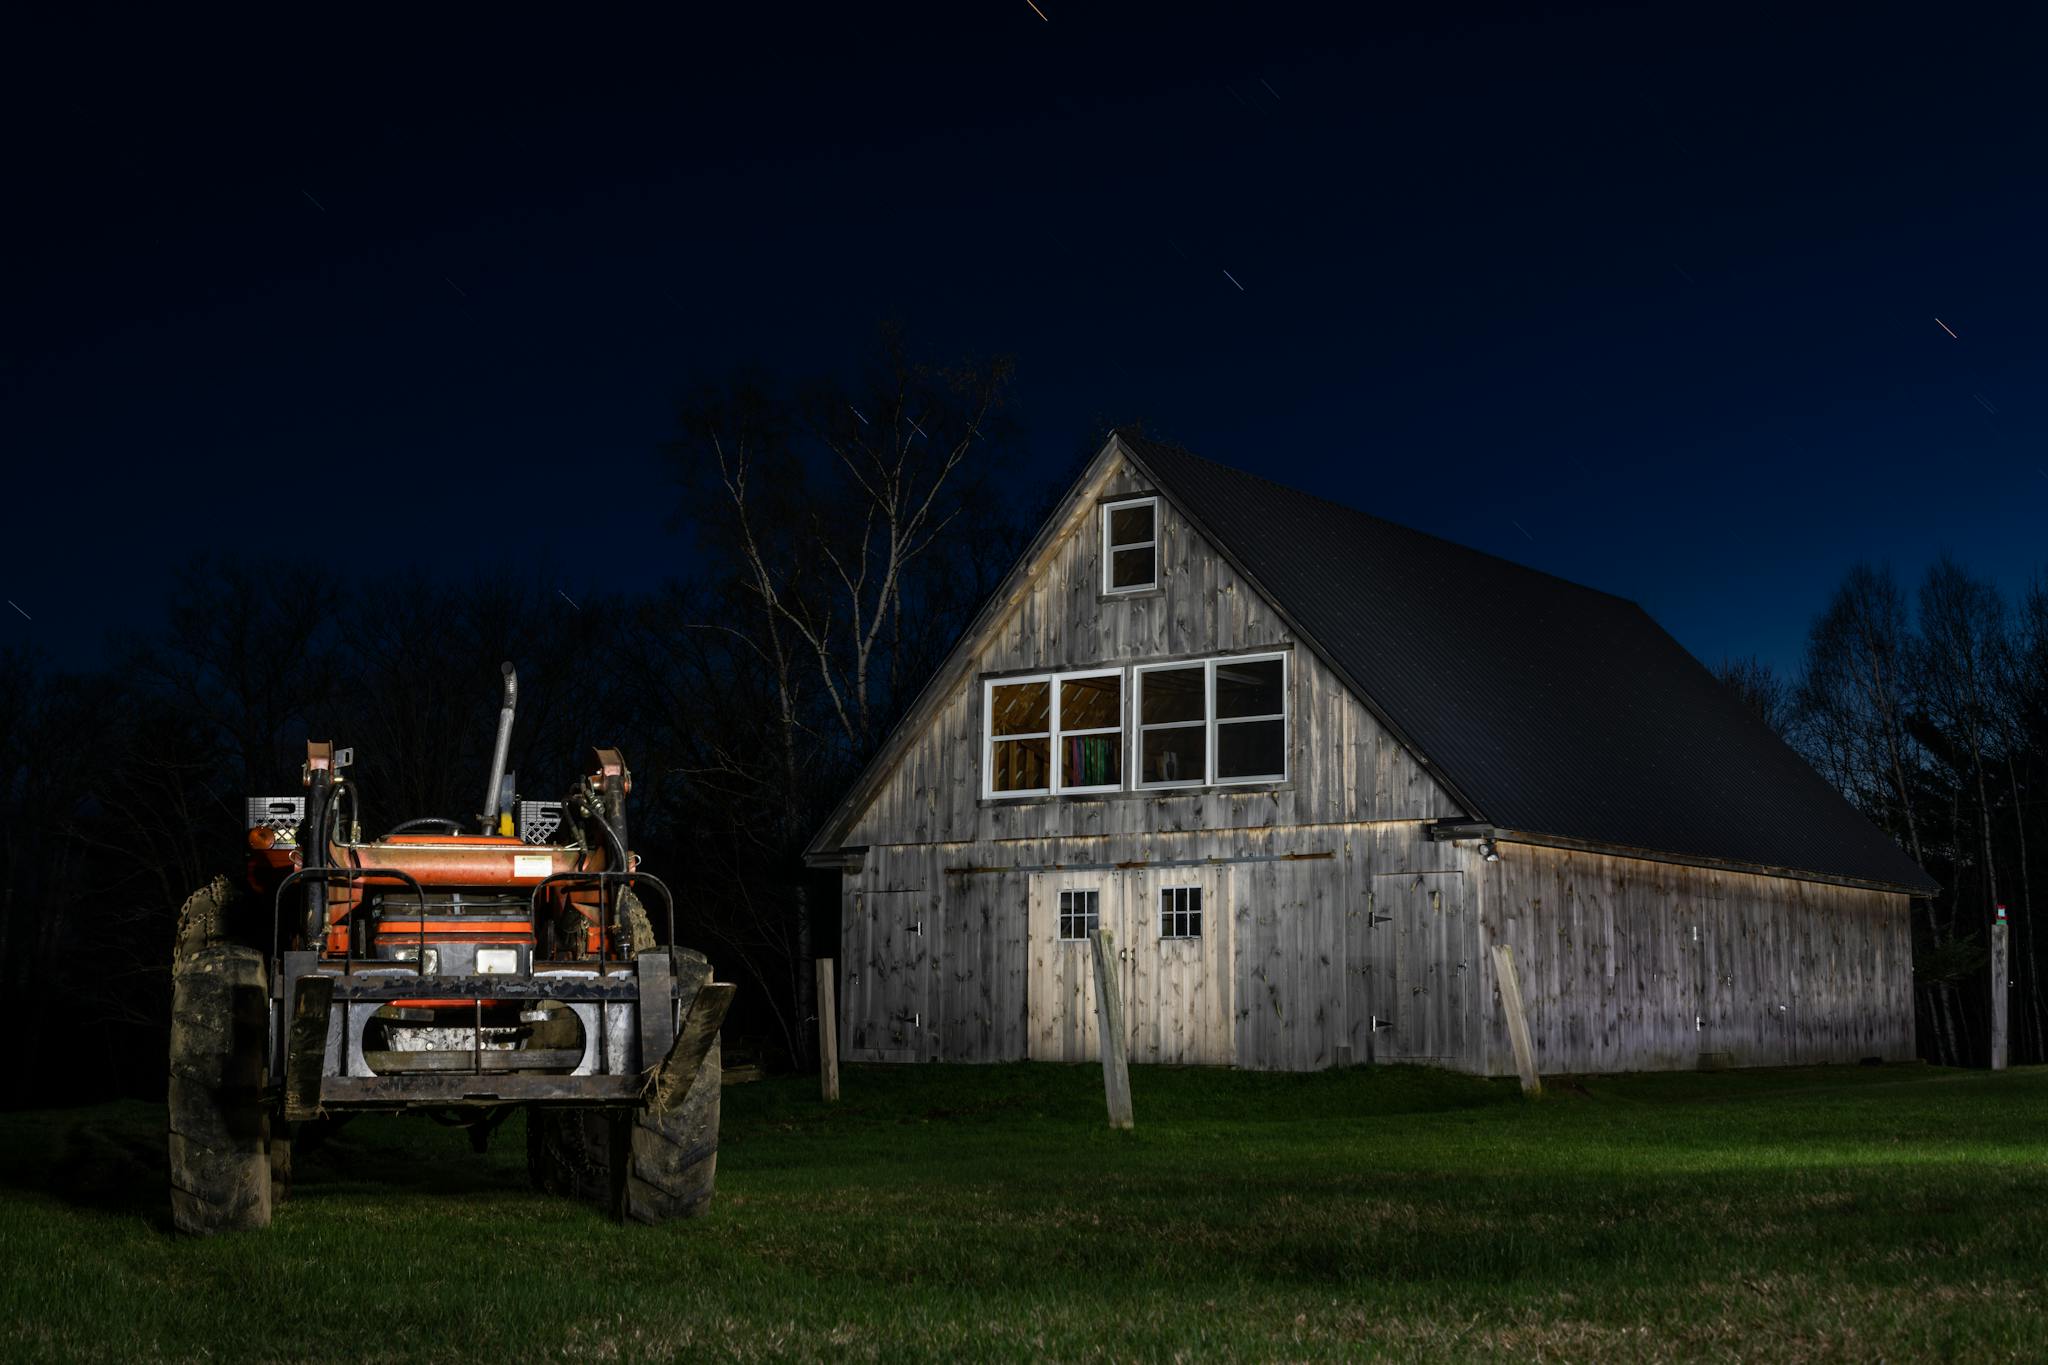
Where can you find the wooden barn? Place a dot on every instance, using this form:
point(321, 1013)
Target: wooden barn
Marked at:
point(1310, 767)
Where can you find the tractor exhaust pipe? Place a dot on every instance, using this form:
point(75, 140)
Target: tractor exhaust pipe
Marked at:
point(489, 818)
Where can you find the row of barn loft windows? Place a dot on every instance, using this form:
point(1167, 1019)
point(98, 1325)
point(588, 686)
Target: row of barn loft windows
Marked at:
point(1180, 913)
point(1197, 723)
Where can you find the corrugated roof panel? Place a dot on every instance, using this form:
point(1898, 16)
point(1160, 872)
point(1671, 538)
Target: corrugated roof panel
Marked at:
point(1552, 707)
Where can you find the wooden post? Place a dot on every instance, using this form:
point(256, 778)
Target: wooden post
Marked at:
point(828, 1034)
point(1518, 1018)
point(1109, 1027)
point(2000, 969)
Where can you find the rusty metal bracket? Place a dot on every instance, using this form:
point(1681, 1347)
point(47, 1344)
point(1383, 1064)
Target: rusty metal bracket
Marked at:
point(306, 1047)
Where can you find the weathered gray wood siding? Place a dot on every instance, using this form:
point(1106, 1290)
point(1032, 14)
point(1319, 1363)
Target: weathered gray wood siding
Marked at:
point(1631, 965)
point(1323, 945)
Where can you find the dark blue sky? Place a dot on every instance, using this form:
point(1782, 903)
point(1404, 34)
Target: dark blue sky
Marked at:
point(1644, 299)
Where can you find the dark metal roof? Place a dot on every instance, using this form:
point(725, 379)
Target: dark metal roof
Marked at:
point(1547, 707)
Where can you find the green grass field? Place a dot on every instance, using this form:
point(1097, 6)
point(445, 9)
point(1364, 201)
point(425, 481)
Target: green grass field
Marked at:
point(949, 1213)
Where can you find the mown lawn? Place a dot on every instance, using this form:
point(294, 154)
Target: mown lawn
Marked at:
point(950, 1213)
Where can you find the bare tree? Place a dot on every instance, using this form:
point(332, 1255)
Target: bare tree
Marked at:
point(1759, 688)
point(833, 519)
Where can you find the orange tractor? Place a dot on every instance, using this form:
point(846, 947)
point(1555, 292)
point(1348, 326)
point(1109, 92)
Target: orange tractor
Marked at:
point(462, 975)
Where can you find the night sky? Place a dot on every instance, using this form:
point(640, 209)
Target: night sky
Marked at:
point(1646, 300)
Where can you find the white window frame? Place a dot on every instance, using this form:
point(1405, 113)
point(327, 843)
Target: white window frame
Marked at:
point(1060, 912)
point(1060, 735)
point(1216, 723)
point(989, 735)
point(1201, 913)
point(1211, 724)
point(1109, 552)
point(1054, 737)
point(1139, 727)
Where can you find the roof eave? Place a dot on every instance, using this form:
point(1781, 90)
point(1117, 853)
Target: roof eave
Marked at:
point(1479, 829)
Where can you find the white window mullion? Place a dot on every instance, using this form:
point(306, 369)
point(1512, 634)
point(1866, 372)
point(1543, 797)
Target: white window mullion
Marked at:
point(1054, 740)
point(1209, 714)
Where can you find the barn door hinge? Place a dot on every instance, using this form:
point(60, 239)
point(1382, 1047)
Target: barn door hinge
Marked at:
point(1378, 917)
point(1379, 1023)
point(915, 1020)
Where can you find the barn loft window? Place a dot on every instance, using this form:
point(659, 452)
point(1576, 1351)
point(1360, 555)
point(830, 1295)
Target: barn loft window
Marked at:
point(1055, 733)
point(1130, 545)
point(1020, 737)
point(1180, 912)
point(1091, 731)
point(1216, 721)
point(1251, 719)
point(1080, 914)
point(1173, 726)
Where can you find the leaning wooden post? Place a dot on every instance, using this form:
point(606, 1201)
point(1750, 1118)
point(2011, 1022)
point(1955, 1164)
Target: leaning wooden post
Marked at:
point(1518, 1018)
point(1109, 1026)
point(1999, 971)
point(828, 1034)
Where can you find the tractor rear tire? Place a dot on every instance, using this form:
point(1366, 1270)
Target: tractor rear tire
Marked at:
point(219, 1127)
point(669, 1163)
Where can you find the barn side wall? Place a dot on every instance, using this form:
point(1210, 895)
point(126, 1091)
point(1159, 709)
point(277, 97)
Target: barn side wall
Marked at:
point(1631, 965)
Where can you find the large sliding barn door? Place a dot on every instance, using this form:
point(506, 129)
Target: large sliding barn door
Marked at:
point(888, 1007)
point(1172, 930)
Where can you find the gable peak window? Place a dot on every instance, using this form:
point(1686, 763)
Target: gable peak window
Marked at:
point(1130, 545)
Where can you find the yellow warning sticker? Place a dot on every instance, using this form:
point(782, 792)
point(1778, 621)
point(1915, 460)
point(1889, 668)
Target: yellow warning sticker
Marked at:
point(532, 865)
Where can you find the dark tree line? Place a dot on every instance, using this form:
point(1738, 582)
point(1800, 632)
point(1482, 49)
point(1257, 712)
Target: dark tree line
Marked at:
point(1928, 708)
point(834, 536)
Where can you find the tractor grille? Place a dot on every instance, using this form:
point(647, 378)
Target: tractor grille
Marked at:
point(538, 821)
point(282, 813)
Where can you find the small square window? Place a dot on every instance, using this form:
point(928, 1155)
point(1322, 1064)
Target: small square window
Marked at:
point(1130, 545)
point(1080, 914)
point(1180, 912)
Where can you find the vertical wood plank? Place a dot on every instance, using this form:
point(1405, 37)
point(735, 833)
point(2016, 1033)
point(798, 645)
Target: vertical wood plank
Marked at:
point(1517, 1019)
point(828, 1032)
point(1116, 1075)
point(2000, 970)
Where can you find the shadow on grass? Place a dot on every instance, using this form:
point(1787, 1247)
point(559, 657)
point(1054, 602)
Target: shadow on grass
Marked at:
point(113, 1160)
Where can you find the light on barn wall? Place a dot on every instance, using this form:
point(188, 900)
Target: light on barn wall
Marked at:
point(1488, 851)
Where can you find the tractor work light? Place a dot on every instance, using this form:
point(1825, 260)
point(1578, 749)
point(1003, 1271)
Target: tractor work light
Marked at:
point(497, 961)
point(412, 954)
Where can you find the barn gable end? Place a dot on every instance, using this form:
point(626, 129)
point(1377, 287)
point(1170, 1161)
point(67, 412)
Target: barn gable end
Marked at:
point(1345, 766)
